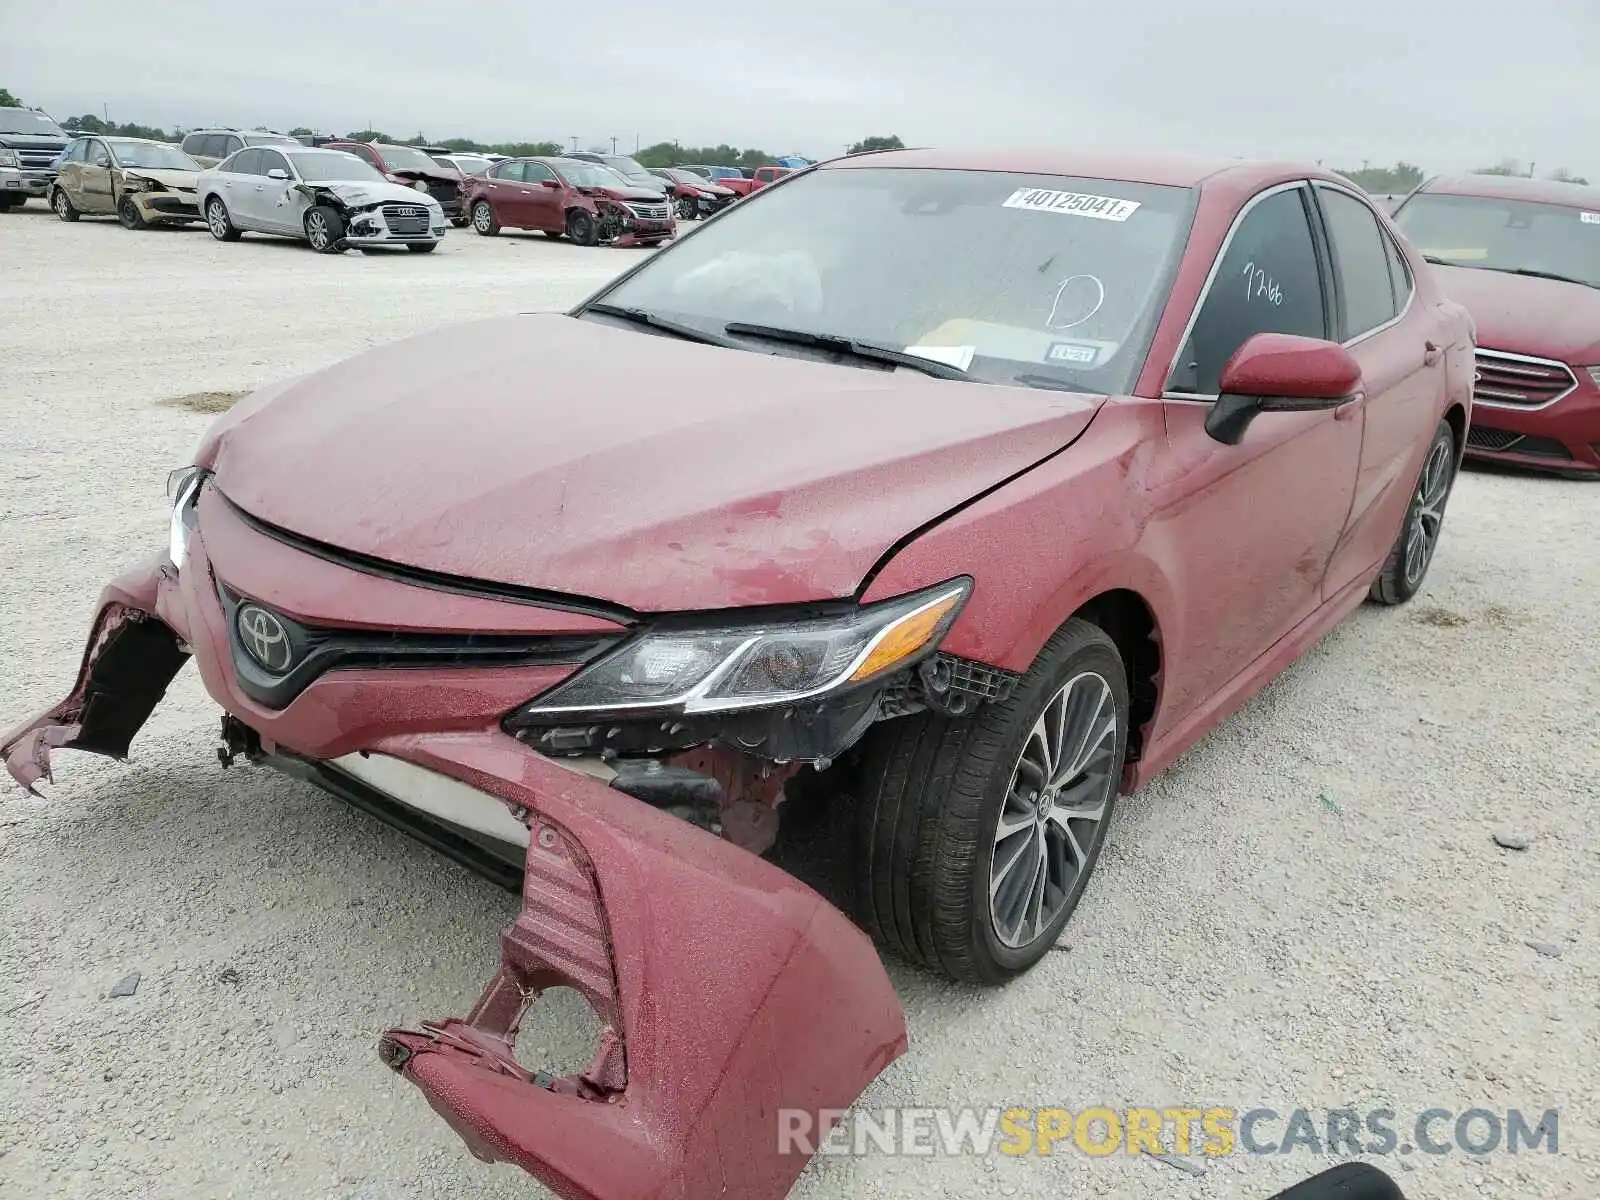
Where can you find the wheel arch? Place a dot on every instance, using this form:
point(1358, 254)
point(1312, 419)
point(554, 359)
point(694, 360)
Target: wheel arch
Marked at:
point(1456, 417)
point(1128, 620)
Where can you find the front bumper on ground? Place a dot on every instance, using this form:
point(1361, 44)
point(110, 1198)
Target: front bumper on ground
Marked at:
point(727, 990)
point(15, 181)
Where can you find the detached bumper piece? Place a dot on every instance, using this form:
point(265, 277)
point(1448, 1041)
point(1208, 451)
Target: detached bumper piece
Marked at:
point(727, 990)
point(130, 659)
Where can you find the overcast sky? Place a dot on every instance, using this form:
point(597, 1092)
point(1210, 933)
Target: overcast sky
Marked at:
point(1448, 84)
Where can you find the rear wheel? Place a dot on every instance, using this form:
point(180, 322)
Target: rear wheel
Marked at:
point(218, 221)
point(687, 209)
point(63, 207)
point(130, 216)
point(1407, 565)
point(483, 219)
point(581, 228)
point(325, 230)
point(976, 836)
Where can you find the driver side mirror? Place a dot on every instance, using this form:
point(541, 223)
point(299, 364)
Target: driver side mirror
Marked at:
point(549, 183)
point(102, 160)
point(277, 173)
point(1280, 372)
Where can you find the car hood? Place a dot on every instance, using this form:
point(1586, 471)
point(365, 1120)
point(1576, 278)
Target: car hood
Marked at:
point(33, 141)
point(1544, 318)
point(358, 193)
point(629, 193)
point(164, 176)
point(565, 458)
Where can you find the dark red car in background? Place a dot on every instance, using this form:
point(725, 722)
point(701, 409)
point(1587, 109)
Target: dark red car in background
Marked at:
point(409, 166)
point(1015, 476)
point(566, 197)
point(694, 195)
point(1523, 255)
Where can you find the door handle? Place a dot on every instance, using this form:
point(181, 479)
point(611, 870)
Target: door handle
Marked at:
point(1350, 407)
point(1431, 353)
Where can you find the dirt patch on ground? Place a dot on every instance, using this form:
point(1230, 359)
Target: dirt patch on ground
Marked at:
point(1440, 617)
point(204, 402)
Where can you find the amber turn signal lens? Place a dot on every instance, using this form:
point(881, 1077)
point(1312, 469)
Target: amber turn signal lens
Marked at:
point(906, 636)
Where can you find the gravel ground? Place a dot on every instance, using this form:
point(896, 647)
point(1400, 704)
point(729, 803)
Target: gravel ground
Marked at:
point(1307, 911)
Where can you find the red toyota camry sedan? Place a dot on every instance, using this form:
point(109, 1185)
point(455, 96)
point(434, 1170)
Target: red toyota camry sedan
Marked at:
point(1017, 476)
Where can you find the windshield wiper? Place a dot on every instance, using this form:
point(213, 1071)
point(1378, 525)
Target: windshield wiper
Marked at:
point(639, 316)
point(1532, 274)
point(1440, 262)
point(839, 344)
point(1053, 383)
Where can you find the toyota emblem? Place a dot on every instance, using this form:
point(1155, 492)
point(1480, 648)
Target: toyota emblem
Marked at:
point(264, 638)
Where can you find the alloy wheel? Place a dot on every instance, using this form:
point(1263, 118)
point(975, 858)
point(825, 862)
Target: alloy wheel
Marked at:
point(482, 218)
point(317, 231)
point(216, 219)
point(1428, 517)
point(1054, 812)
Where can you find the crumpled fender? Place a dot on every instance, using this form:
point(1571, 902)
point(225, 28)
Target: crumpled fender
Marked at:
point(728, 991)
point(130, 658)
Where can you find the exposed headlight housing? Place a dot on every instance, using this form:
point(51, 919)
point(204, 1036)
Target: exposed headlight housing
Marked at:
point(183, 489)
point(679, 669)
point(421, 185)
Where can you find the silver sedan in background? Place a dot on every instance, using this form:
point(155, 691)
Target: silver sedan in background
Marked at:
point(328, 198)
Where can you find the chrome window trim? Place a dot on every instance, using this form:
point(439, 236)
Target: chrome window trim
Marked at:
point(1411, 296)
point(1211, 279)
point(1531, 360)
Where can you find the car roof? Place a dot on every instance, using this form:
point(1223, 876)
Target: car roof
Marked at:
point(1516, 187)
point(234, 129)
point(1169, 169)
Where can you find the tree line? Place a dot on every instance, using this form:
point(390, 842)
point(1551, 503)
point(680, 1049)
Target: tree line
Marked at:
point(1403, 177)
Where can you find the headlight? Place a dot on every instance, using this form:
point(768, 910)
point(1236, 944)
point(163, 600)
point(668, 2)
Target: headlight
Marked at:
point(183, 486)
point(758, 664)
point(1594, 374)
point(421, 185)
point(8, 158)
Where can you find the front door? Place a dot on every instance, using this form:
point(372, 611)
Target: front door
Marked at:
point(543, 202)
point(95, 187)
point(274, 205)
point(1250, 528)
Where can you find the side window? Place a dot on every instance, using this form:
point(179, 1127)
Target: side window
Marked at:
point(362, 152)
point(79, 152)
point(232, 142)
point(1268, 281)
point(191, 144)
point(214, 145)
point(508, 170)
point(1362, 261)
point(98, 153)
point(536, 173)
point(270, 159)
point(1399, 272)
point(246, 162)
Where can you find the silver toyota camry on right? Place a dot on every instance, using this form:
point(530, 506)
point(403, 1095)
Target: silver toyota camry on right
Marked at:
point(328, 198)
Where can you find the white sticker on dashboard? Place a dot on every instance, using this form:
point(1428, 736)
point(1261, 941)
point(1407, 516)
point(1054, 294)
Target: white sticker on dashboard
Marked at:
point(1589, 218)
point(1076, 204)
point(959, 357)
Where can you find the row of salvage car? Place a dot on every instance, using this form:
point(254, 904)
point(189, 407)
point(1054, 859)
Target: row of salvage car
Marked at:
point(363, 195)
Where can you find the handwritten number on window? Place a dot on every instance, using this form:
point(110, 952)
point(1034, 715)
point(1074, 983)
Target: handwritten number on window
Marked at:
point(1261, 286)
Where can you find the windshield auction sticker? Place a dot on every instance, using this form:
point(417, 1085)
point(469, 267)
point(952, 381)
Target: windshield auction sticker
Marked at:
point(1587, 218)
point(1077, 204)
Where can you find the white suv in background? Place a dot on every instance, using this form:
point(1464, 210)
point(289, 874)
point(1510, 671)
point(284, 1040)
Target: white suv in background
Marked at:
point(208, 147)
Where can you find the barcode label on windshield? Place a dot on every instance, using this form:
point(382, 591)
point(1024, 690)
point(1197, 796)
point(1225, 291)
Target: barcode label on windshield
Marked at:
point(1589, 218)
point(1076, 204)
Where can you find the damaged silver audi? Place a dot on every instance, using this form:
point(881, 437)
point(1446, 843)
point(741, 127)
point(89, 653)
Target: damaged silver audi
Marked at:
point(329, 199)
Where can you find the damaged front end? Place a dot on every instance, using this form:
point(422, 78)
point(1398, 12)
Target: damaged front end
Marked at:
point(371, 218)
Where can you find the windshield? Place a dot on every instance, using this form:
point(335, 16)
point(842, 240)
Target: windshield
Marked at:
point(623, 165)
point(336, 167)
point(472, 164)
point(407, 158)
point(270, 139)
point(153, 156)
point(590, 175)
point(999, 274)
point(24, 120)
point(1500, 234)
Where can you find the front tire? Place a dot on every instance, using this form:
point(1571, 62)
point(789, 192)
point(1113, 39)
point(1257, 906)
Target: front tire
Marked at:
point(581, 228)
point(218, 221)
point(1407, 565)
point(687, 209)
point(325, 230)
point(130, 216)
point(976, 836)
point(483, 220)
point(62, 206)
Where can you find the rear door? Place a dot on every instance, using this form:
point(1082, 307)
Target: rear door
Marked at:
point(237, 180)
point(1251, 528)
point(504, 190)
point(70, 174)
point(1399, 343)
